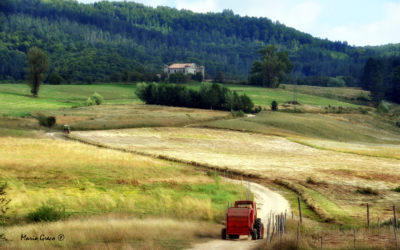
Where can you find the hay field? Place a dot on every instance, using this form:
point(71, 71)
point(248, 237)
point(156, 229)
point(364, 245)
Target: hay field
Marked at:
point(86, 180)
point(132, 116)
point(112, 232)
point(335, 176)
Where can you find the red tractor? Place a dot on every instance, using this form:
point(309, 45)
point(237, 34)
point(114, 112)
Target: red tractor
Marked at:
point(242, 220)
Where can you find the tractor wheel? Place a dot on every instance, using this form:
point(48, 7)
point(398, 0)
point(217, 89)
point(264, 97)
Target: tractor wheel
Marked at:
point(254, 234)
point(257, 225)
point(223, 233)
point(262, 230)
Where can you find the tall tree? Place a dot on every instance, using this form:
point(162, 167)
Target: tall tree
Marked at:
point(372, 79)
point(38, 64)
point(395, 81)
point(272, 68)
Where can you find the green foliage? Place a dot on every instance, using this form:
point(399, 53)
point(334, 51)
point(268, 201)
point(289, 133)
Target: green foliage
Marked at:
point(91, 42)
point(38, 64)
point(367, 191)
point(274, 105)
point(198, 77)
point(46, 213)
point(398, 124)
point(178, 77)
point(46, 121)
point(97, 98)
point(383, 107)
point(237, 113)
point(219, 77)
point(209, 96)
point(55, 78)
point(272, 68)
point(4, 201)
point(397, 189)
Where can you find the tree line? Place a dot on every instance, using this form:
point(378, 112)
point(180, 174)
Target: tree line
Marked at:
point(209, 96)
point(381, 76)
point(126, 41)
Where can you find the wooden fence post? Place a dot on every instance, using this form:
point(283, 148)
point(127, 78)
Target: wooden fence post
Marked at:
point(322, 243)
point(298, 235)
point(354, 238)
point(368, 215)
point(301, 218)
point(395, 226)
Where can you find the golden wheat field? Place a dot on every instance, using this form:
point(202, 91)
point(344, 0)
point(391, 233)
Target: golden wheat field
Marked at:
point(330, 178)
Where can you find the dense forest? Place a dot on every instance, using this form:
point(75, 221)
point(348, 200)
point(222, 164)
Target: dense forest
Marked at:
point(126, 41)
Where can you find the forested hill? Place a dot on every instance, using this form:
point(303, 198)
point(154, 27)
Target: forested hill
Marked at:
point(93, 42)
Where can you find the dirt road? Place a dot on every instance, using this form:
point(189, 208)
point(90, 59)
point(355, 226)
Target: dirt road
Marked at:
point(267, 202)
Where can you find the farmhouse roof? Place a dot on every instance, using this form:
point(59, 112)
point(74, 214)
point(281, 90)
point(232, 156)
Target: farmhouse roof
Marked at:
point(180, 65)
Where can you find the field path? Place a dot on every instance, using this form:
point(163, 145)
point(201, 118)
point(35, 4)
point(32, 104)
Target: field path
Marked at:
point(267, 202)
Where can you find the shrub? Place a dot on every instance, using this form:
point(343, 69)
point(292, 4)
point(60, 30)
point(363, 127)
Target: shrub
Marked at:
point(274, 106)
point(383, 107)
point(47, 121)
point(97, 98)
point(46, 213)
point(4, 200)
point(397, 189)
point(398, 124)
point(310, 180)
point(367, 191)
point(235, 113)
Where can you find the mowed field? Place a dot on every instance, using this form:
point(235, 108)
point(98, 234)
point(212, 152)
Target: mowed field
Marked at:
point(336, 177)
point(110, 198)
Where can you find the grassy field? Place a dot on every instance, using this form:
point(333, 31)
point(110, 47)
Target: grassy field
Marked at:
point(15, 99)
point(335, 177)
point(264, 97)
point(339, 93)
point(87, 181)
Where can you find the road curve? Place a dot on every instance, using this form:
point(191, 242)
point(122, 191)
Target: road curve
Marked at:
point(267, 202)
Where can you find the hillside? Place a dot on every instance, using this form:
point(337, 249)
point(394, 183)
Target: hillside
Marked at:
point(126, 40)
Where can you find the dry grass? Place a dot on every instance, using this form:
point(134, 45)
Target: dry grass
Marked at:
point(88, 180)
point(272, 158)
point(332, 237)
point(131, 116)
point(112, 232)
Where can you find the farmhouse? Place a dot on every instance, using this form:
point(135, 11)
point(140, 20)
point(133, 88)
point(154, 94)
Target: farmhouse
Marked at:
point(185, 68)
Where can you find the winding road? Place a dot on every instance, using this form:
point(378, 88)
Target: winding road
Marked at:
point(267, 202)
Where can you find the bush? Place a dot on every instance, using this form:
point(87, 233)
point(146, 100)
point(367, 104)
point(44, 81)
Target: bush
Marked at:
point(383, 107)
point(398, 124)
point(367, 191)
point(46, 213)
point(397, 189)
point(97, 98)
point(274, 106)
point(47, 121)
point(310, 180)
point(235, 113)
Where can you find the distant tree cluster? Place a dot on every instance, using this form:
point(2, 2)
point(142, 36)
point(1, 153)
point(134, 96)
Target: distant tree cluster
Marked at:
point(271, 69)
point(381, 76)
point(209, 96)
point(326, 81)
